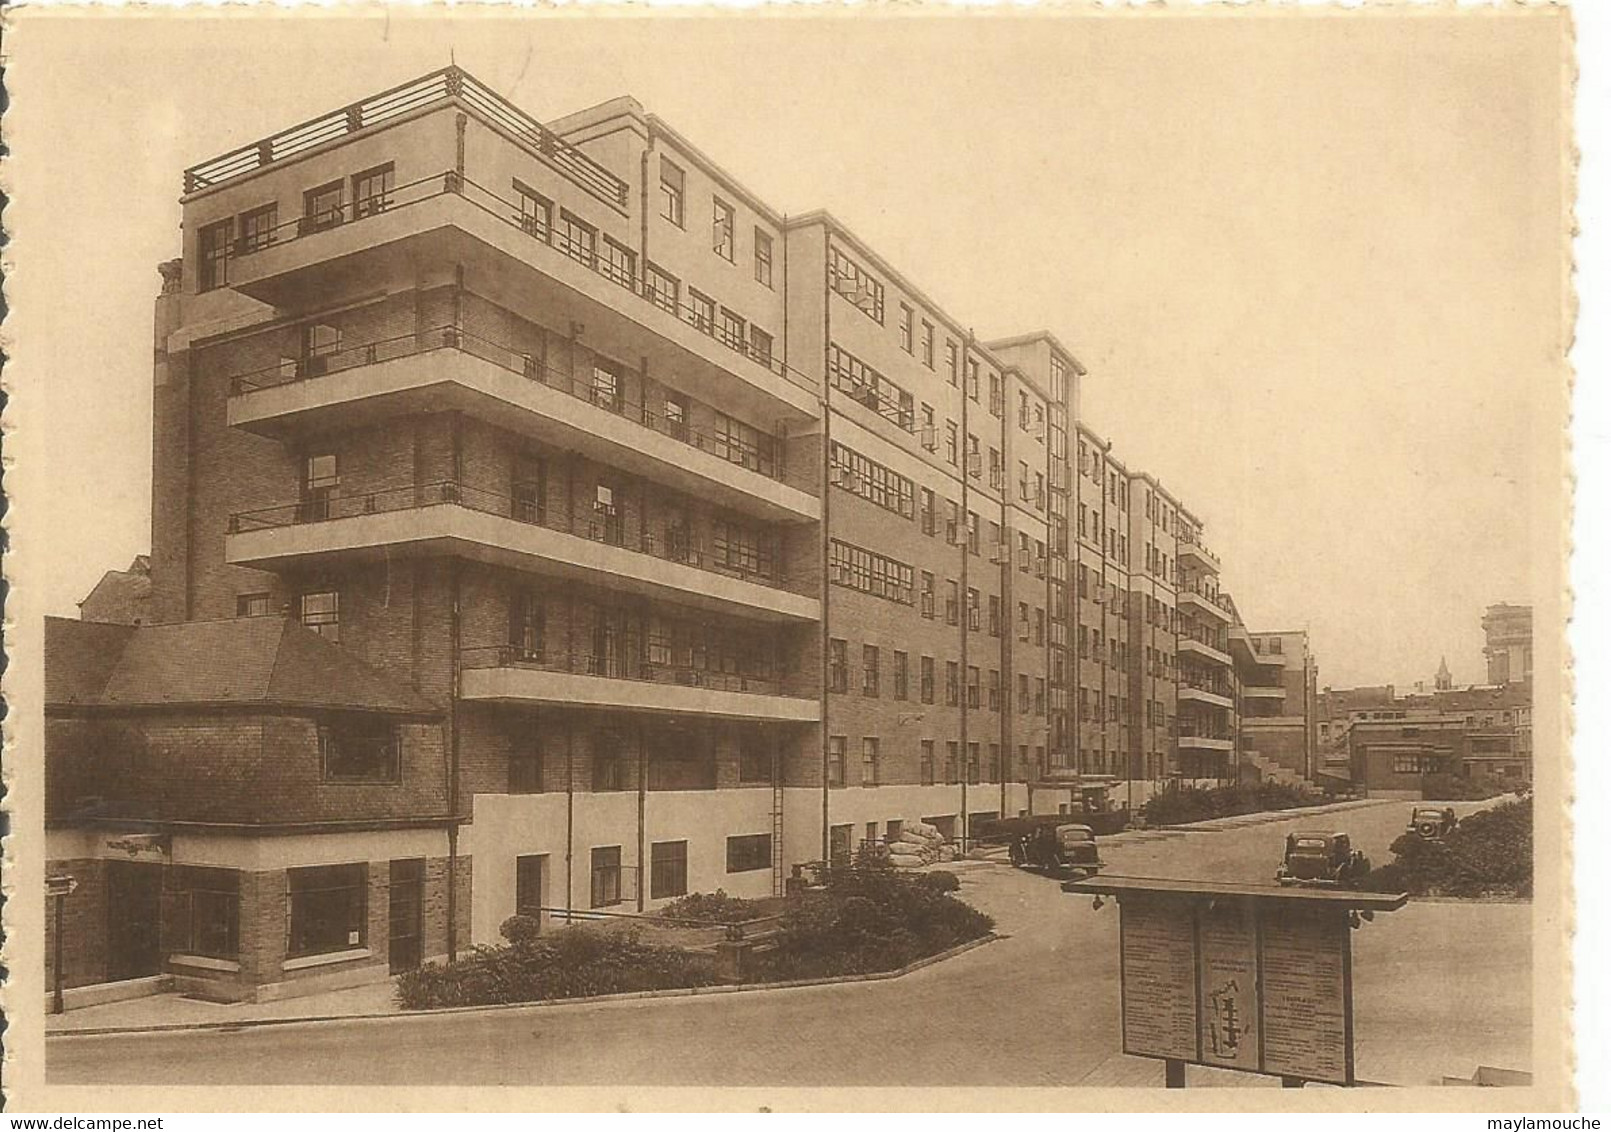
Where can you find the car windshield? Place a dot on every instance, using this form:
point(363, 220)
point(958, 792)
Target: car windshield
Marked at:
point(1310, 844)
point(1076, 834)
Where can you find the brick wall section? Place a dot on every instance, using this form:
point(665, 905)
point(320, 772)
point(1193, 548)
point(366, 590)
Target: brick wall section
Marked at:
point(83, 924)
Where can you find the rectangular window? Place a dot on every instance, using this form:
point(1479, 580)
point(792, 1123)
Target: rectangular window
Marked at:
point(855, 473)
point(838, 666)
point(951, 454)
point(606, 880)
point(668, 869)
point(836, 760)
point(605, 388)
point(760, 345)
point(372, 191)
point(925, 763)
point(906, 328)
point(213, 254)
point(952, 602)
point(951, 372)
point(973, 764)
point(763, 258)
point(526, 767)
point(536, 216)
point(926, 679)
point(869, 671)
point(853, 283)
point(869, 762)
point(928, 511)
point(952, 749)
point(526, 620)
point(995, 616)
point(577, 239)
point(209, 911)
point(952, 680)
point(619, 264)
point(973, 379)
point(871, 389)
point(661, 287)
point(873, 574)
point(928, 344)
point(328, 909)
point(529, 884)
point(730, 329)
point(721, 229)
point(320, 611)
point(995, 690)
point(257, 228)
point(252, 605)
point(748, 853)
point(322, 208)
point(900, 675)
point(359, 749)
point(702, 312)
point(671, 192)
point(973, 686)
point(973, 609)
point(927, 607)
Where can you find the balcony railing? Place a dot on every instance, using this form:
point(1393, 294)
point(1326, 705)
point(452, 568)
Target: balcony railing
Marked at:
point(1215, 687)
point(730, 448)
point(598, 526)
point(1216, 599)
point(1215, 641)
point(624, 275)
point(638, 667)
point(437, 88)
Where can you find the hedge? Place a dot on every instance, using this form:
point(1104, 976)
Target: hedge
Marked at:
point(1488, 854)
point(1180, 805)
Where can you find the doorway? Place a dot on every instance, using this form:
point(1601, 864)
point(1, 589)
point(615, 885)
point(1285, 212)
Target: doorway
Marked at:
point(405, 912)
point(134, 920)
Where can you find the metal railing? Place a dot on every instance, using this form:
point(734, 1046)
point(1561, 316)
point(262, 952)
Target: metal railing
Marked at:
point(596, 526)
point(633, 663)
point(730, 448)
point(437, 88)
point(1216, 687)
point(1216, 599)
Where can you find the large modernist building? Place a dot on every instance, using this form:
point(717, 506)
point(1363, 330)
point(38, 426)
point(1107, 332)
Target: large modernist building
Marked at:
point(541, 520)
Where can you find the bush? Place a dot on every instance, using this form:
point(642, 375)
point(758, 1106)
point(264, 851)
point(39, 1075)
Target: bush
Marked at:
point(1462, 788)
point(712, 908)
point(1181, 805)
point(1488, 854)
point(870, 918)
point(573, 962)
point(940, 880)
point(520, 929)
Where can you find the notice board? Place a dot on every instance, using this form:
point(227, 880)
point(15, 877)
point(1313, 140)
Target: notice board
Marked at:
point(1258, 986)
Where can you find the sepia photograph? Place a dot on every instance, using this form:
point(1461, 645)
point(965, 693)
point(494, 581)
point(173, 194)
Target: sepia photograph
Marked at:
point(562, 556)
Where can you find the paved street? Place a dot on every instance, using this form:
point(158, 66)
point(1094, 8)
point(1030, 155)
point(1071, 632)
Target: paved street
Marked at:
point(1040, 1007)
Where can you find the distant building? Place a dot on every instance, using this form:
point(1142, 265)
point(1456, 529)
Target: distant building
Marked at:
point(121, 597)
point(1462, 731)
point(1509, 647)
point(1278, 718)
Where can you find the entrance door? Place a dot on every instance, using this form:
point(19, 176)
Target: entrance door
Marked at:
point(134, 919)
point(405, 945)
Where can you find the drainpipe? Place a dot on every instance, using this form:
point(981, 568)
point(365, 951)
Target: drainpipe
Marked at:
point(822, 542)
point(962, 619)
point(454, 626)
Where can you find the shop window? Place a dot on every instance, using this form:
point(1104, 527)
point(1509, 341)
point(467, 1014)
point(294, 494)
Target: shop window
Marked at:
point(328, 909)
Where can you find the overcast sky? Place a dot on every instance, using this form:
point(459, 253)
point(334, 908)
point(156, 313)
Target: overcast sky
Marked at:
point(1313, 265)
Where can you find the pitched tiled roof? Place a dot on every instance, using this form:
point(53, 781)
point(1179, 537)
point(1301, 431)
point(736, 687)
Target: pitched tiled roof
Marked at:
point(269, 661)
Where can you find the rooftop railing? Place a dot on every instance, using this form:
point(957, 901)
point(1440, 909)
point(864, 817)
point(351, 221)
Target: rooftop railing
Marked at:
point(636, 662)
point(437, 88)
point(603, 526)
point(733, 449)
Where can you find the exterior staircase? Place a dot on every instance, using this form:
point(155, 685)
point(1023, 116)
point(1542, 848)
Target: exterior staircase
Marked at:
point(1270, 770)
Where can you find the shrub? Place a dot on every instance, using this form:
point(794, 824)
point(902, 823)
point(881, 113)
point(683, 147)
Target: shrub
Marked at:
point(712, 908)
point(520, 929)
point(1488, 854)
point(1181, 805)
point(1463, 788)
point(940, 881)
point(573, 962)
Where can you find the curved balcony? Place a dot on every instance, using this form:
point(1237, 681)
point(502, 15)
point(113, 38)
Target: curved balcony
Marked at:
point(455, 519)
point(505, 674)
point(1200, 599)
point(1210, 649)
point(444, 368)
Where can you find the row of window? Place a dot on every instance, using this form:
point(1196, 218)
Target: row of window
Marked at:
point(858, 569)
point(326, 909)
point(723, 226)
point(855, 473)
point(1031, 691)
point(668, 871)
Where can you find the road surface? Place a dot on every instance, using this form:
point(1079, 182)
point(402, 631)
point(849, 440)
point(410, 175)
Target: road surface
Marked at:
point(1038, 1008)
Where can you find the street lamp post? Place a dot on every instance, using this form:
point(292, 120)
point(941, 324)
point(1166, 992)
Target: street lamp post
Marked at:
point(58, 887)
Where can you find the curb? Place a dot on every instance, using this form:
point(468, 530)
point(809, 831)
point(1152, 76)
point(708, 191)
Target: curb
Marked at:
point(627, 996)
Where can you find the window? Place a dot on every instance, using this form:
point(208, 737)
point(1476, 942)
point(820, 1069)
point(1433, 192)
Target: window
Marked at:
point(328, 909)
point(925, 763)
point(973, 379)
point(209, 911)
point(536, 217)
point(951, 374)
point(526, 625)
point(952, 601)
point(730, 329)
point(973, 609)
point(900, 675)
point(873, 574)
point(252, 605)
point(855, 473)
point(995, 395)
point(853, 283)
point(606, 762)
point(1040, 626)
point(721, 229)
point(973, 686)
point(951, 755)
point(995, 690)
point(1040, 695)
point(760, 345)
point(951, 443)
point(661, 287)
point(619, 264)
point(973, 764)
point(973, 542)
point(529, 884)
point(605, 388)
point(754, 757)
point(952, 681)
point(528, 489)
point(930, 443)
point(671, 192)
point(838, 666)
point(1023, 621)
point(869, 670)
point(668, 869)
point(372, 191)
point(359, 749)
point(744, 445)
point(577, 239)
point(213, 255)
point(1023, 694)
point(928, 511)
point(836, 760)
point(257, 228)
point(928, 343)
point(606, 886)
point(748, 853)
point(869, 762)
point(906, 328)
point(321, 611)
point(871, 389)
point(526, 767)
point(321, 208)
point(926, 679)
point(763, 258)
point(995, 615)
point(995, 763)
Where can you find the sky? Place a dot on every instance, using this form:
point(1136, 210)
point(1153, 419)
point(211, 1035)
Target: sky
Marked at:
point(1312, 264)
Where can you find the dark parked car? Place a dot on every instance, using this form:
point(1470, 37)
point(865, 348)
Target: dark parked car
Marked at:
point(1322, 860)
point(1049, 842)
point(1432, 823)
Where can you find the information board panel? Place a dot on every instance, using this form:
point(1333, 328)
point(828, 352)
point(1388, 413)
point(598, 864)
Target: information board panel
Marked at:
point(1228, 982)
point(1158, 972)
point(1304, 956)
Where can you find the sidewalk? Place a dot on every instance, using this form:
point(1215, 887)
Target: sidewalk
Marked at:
point(173, 1009)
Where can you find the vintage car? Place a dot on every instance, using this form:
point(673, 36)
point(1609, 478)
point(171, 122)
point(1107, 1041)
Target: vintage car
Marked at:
point(1432, 822)
point(1048, 842)
point(1322, 860)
